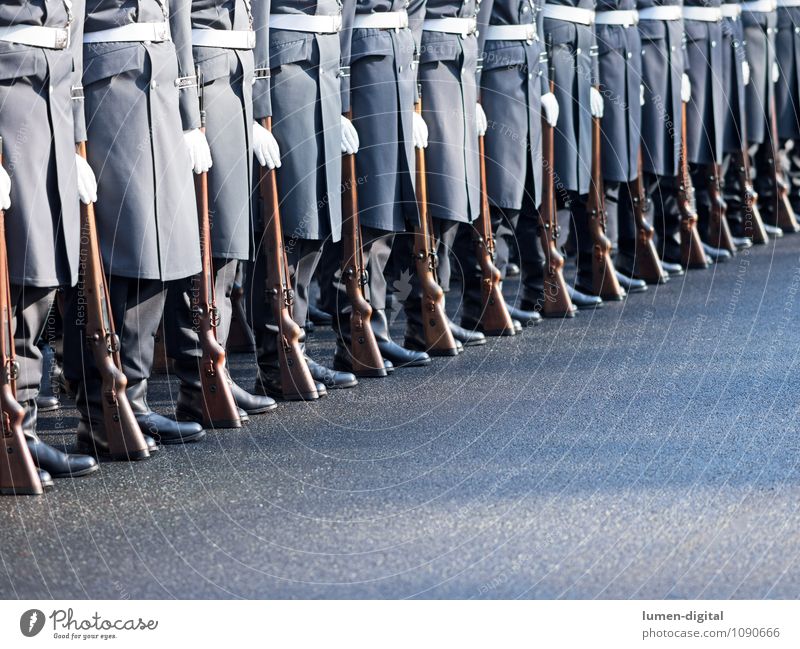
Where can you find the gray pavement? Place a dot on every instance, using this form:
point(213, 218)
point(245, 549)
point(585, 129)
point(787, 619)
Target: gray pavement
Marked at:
point(647, 450)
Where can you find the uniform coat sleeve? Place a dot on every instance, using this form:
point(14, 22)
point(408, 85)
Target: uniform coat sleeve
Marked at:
point(484, 16)
point(262, 106)
point(345, 45)
point(416, 17)
point(76, 47)
point(180, 24)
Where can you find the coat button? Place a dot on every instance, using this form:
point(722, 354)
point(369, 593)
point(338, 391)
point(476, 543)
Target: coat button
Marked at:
point(153, 85)
point(525, 9)
point(713, 43)
point(401, 68)
point(630, 55)
point(578, 51)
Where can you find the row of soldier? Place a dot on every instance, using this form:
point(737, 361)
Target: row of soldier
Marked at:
point(668, 96)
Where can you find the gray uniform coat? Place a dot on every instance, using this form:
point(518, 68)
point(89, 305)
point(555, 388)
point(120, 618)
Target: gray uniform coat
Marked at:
point(759, 36)
point(619, 51)
point(40, 125)
point(447, 74)
point(513, 80)
point(787, 90)
point(705, 111)
point(227, 78)
point(303, 96)
point(575, 67)
point(662, 67)
point(135, 115)
point(733, 83)
point(382, 93)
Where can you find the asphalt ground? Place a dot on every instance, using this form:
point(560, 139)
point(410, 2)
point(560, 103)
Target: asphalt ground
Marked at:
point(648, 449)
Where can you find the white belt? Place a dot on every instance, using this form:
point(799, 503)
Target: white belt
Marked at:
point(463, 26)
point(569, 14)
point(382, 20)
point(789, 3)
point(228, 39)
point(512, 33)
point(625, 17)
point(731, 11)
point(703, 14)
point(134, 32)
point(52, 38)
point(760, 6)
point(665, 12)
point(306, 23)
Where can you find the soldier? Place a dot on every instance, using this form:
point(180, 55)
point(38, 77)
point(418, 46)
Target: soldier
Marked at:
point(144, 140)
point(515, 93)
point(40, 122)
point(299, 84)
point(759, 19)
point(787, 91)
point(620, 69)
point(665, 86)
point(379, 50)
point(223, 40)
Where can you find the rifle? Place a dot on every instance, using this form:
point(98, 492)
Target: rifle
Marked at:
point(647, 264)
point(125, 439)
point(753, 223)
point(366, 358)
point(719, 233)
point(604, 278)
point(296, 381)
point(438, 337)
point(219, 406)
point(495, 319)
point(18, 474)
point(784, 216)
point(692, 253)
point(556, 302)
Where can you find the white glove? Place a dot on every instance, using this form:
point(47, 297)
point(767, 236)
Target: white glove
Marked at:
point(265, 147)
point(199, 152)
point(5, 189)
point(686, 88)
point(745, 72)
point(480, 120)
point(550, 108)
point(641, 94)
point(776, 72)
point(87, 183)
point(596, 102)
point(419, 131)
point(350, 141)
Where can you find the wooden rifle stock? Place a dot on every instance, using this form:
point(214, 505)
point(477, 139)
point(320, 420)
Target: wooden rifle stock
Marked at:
point(125, 438)
point(366, 358)
point(495, 319)
point(556, 302)
point(18, 474)
point(296, 380)
point(719, 233)
point(604, 278)
point(753, 223)
point(647, 264)
point(784, 216)
point(439, 339)
point(692, 253)
point(219, 407)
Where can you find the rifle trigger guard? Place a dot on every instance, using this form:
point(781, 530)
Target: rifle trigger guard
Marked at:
point(112, 343)
point(215, 316)
point(12, 370)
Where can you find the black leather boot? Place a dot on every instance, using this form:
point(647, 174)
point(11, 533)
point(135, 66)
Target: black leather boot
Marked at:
point(630, 284)
point(773, 231)
point(717, 255)
point(331, 379)
point(189, 406)
point(742, 243)
point(525, 317)
point(47, 400)
point(415, 332)
point(390, 350)
point(343, 360)
point(672, 269)
point(467, 337)
point(583, 301)
point(268, 383)
point(57, 464)
point(318, 316)
point(165, 430)
point(46, 479)
point(251, 404)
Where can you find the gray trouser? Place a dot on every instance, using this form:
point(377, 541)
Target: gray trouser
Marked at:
point(29, 309)
point(136, 306)
point(180, 325)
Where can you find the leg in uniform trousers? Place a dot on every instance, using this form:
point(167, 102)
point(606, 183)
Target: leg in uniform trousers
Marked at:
point(666, 218)
point(621, 231)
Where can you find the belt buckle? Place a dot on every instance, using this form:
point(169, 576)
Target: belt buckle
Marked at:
point(162, 32)
point(337, 23)
point(530, 33)
point(62, 39)
point(251, 39)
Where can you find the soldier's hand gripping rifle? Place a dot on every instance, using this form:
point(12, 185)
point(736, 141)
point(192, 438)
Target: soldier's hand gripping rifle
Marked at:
point(366, 358)
point(438, 337)
point(692, 253)
point(647, 264)
point(556, 302)
point(495, 319)
point(296, 380)
point(219, 406)
point(18, 474)
point(719, 233)
point(784, 216)
point(604, 278)
point(753, 223)
point(125, 439)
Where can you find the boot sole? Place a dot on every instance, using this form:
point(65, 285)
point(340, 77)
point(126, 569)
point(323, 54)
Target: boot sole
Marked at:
point(86, 449)
point(74, 474)
point(417, 347)
point(219, 423)
point(183, 440)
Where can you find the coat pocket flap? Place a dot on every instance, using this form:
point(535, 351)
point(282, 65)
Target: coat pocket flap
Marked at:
point(20, 61)
point(503, 57)
point(286, 47)
point(104, 60)
point(374, 43)
point(652, 30)
point(214, 67)
point(439, 47)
